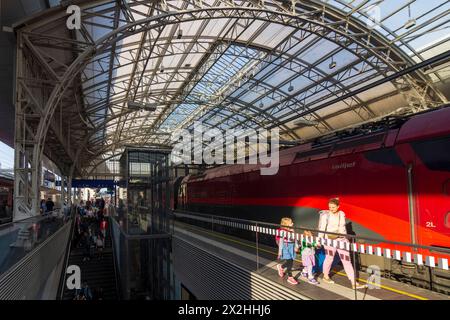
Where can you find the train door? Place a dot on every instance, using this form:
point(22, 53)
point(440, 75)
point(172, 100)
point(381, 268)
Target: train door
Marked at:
point(431, 177)
point(409, 194)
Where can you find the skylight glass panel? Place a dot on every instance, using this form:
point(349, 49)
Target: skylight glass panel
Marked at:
point(220, 74)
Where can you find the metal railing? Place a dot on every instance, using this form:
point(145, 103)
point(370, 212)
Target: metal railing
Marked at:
point(297, 230)
point(262, 234)
point(73, 225)
point(115, 258)
point(32, 250)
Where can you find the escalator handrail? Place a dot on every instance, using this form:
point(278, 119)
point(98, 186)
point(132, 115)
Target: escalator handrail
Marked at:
point(113, 249)
point(62, 283)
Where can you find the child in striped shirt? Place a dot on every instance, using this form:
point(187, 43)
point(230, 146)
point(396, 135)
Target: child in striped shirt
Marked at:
point(308, 258)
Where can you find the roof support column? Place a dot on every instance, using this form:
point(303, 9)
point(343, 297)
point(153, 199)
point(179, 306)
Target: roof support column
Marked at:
point(63, 192)
point(27, 160)
point(69, 191)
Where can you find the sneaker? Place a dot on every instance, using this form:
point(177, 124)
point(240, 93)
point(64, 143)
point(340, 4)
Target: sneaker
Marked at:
point(359, 286)
point(291, 280)
point(280, 270)
point(328, 280)
point(313, 281)
point(304, 275)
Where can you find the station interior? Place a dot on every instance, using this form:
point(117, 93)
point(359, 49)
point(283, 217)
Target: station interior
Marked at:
point(224, 150)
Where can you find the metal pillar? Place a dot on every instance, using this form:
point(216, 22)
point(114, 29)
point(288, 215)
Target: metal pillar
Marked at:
point(27, 162)
point(69, 191)
point(63, 191)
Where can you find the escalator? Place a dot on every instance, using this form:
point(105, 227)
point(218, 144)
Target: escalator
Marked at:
point(98, 273)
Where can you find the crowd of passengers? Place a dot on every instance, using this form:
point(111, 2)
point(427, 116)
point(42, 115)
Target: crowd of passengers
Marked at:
point(89, 235)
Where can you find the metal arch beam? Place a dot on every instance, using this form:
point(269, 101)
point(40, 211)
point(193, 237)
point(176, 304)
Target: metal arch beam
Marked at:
point(165, 48)
point(445, 55)
point(106, 41)
point(113, 52)
point(200, 45)
point(111, 148)
point(291, 58)
point(109, 123)
point(267, 53)
point(317, 7)
point(361, 105)
point(136, 65)
point(37, 147)
point(302, 64)
point(216, 51)
point(318, 87)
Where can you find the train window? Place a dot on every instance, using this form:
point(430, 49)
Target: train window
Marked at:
point(435, 154)
point(386, 156)
point(309, 153)
point(359, 142)
point(447, 220)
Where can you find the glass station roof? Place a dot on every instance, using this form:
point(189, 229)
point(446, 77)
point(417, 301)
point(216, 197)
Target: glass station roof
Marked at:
point(254, 64)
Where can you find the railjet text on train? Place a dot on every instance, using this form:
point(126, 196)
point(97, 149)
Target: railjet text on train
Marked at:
point(249, 146)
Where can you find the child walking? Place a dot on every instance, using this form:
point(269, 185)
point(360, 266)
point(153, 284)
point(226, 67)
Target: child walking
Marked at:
point(308, 258)
point(286, 250)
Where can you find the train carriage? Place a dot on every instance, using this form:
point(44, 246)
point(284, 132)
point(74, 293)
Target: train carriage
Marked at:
point(414, 207)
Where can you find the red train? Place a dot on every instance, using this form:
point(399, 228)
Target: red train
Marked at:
point(392, 177)
point(6, 198)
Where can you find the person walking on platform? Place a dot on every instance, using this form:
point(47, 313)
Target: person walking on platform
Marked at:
point(308, 258)
point(333, 220)
point(287, 247)
point(103, 226)
point(100, 243)
point(43, 207)
point(49, 205)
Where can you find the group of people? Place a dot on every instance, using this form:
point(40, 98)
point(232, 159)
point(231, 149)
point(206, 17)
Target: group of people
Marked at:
point(89, 235)
point(46, 206)
point(85, 293)
point(90, 231)
point(5, 210)
point(330, 221)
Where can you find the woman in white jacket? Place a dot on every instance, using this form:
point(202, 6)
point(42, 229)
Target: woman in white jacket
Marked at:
point(333, 220)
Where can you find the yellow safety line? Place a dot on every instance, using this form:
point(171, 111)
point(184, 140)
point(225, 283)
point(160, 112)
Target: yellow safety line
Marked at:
point(338, 273)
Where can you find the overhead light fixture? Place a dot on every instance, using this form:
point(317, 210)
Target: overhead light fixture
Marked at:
point(133, 105)
point(411, 22)
point(261, 105)
point(291, 88)
point(161, 69)
point(332, 64)
point(180, 34)
point(305, 123)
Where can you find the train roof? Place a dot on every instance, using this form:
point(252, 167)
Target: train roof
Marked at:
point(6, 175)
point(384, 133)
point(427, 125)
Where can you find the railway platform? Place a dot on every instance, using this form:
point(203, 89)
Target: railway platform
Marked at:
point(243, 254)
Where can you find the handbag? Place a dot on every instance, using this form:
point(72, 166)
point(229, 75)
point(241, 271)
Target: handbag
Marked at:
point(333, 236)
point(99, 242)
